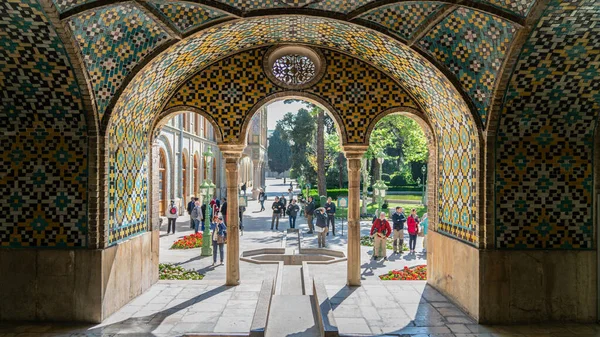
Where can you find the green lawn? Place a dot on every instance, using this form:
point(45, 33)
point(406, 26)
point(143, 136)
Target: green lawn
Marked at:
point(371, 208)
point(415, 197)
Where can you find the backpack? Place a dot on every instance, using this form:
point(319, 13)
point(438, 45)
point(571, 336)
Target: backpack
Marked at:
point(195, 214)
point(173, 210)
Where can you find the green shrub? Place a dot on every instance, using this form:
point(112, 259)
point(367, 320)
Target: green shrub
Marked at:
point(170, 272)
point(398, 179)
point(386, 177)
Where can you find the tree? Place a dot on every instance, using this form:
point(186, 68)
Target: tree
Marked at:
point(279, 153)
point(298, 130)
point(321, 151)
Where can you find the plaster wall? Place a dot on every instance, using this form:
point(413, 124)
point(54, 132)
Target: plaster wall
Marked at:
point(538, 286)
point(75, 285)
point(453, 269)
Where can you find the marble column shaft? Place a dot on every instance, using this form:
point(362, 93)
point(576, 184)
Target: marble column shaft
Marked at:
point(354, 155)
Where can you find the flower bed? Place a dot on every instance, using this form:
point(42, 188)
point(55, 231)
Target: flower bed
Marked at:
point(412, 274)
point(369, 242)
point(188, 242)
point(171, 272)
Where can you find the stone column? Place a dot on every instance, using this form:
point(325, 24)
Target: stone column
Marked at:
point(354, 154)
point(232, 155)
point(256, 179)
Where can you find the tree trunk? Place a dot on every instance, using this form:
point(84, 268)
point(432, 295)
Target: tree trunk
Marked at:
point(321, 153)
point(341, 167)
point(375, 176)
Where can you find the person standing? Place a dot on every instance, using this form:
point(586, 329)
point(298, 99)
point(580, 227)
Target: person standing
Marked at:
point(380, 230)
point(398, 219)
point(172, 217)
point(291, 186)
point(196, 216)
point(424, 224)
point(205, 216)
point(244, 188)
point(241, 217)
point(309, 210)
point(413, 229)
point(224, 209)
point(283, 204)
point(292, 211)
point(330, 209)
point(276, 207)
point(290, 195)
point(190, 208)
point(218, 235)
point(262, 197)
point(321, 226)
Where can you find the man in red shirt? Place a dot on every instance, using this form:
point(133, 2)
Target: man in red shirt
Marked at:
point(381, 230)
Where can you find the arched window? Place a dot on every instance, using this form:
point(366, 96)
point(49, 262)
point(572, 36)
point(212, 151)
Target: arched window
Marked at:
point(162, 183)
point(184, 178)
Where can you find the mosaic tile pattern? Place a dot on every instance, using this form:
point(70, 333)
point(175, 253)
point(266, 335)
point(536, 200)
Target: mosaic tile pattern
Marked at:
point(451, 118)
point(43, 147)
point(249, 5)
point(341, 6)
point(403, 18)
point(186, 16)
point(113, 40)
point(544, 176)
point(65, 5)
point(229, 89)
point(472, 45)
point(519, 7)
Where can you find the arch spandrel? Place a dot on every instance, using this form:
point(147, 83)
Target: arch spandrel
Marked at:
point(147, 94)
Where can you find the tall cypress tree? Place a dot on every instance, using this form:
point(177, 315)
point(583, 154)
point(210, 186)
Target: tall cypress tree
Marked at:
point(279, 153)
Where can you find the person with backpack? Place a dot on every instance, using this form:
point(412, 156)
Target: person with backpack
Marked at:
point(380, 230)
point(190, 208)
point(218, 235)
point(413, 230)
point(309, 210)
point(330, 209)
point(262, 197)
point(292, 211)
point(321, 225)
point(283, 204)
point(196, 216)
point(172, 217)
point(276, 213)
point(398, 219)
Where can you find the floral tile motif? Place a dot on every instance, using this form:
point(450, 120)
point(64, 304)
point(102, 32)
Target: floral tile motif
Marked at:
point(472, 45)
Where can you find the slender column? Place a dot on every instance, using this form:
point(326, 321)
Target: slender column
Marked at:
point(232, 155)
point(354, 154)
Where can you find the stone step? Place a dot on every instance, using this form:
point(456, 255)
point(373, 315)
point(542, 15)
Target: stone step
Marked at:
point(291, 283)
point(292, 315)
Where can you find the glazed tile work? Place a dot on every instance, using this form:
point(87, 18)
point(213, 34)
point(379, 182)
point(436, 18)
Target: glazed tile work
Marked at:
point(450, 117)
point(519, 7)
point(113, 40)
point(43, 163)
point(249, 5)
point(65, 5)
point(403, 18)
point(544, 153)
point(341, 6)
point(186, 16)
point(472, 45)
point(229, 89)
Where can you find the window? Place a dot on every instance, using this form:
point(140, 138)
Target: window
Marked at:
point(294, 67)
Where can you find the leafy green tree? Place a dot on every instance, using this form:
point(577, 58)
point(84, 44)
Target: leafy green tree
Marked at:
point(279, 153)
point(298, 130)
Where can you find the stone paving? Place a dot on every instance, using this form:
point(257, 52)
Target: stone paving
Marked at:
point(378, 308)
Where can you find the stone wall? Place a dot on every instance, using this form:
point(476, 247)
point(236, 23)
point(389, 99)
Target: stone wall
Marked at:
point(453, 269)
point(75, 285)
point(538, 286)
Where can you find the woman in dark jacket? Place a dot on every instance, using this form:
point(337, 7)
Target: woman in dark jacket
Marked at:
point(218, 233)
point(321, 227)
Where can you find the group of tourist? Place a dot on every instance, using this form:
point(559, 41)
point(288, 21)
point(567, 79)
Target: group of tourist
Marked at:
point(381, 231)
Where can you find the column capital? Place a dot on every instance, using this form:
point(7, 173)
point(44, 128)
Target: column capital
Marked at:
point(233, 151)
point(355, 151)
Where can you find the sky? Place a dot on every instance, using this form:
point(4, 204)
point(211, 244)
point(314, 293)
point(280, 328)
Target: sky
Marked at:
point(277, 110)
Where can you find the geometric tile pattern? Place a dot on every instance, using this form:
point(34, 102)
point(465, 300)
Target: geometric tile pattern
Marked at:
point(65, 5)
point(249, 5)
point(403, 18)
point(472, 45)
point(186, 16)
point(452, 121)
point(113, 40)
point(544, 153)
point(340, 6)
point(229, 89)
point(43, 142)
point(519, 7)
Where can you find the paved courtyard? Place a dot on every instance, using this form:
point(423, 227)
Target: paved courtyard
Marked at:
point(378, 308)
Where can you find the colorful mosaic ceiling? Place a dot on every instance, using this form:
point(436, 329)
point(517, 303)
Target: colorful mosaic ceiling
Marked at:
point(467, 44)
